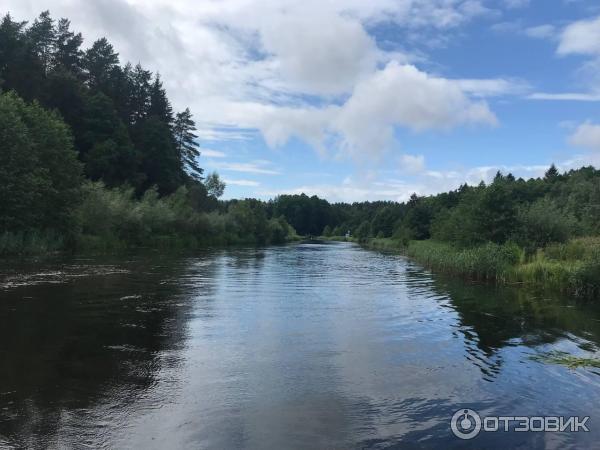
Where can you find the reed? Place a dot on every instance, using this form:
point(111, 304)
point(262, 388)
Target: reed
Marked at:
point(31, 243)
point(572, 267)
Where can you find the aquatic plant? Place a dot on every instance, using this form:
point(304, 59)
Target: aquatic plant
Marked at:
point(566, 359)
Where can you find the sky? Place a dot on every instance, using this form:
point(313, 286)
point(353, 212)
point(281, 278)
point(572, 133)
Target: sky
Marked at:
point(355, 100)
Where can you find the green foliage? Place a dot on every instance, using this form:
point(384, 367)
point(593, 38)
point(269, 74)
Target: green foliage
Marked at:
point(384, 220)
point(214, 185)
point(575, 249)
point(542, 223)
point(363, 231)
point(186, 142)
point(39, 171)
point(585, 279)
point(122, 121)
point(308, 215)
point(159, 161)
point(31, 242)
point(115, 218)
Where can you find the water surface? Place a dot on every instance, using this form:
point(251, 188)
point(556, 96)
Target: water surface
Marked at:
point(303, 346)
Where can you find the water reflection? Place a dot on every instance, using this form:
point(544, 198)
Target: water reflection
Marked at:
point(303, 346)
point(496, 317)
point(83, 333)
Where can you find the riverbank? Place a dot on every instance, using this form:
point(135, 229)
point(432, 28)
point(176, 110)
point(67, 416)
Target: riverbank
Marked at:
point(572, 267)
point(107, 220)
point(26, 245)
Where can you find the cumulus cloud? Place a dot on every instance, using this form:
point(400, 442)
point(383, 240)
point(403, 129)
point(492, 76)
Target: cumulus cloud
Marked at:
point(581, 37)
point(587, 135)
point(320, 54)
point(412, 164)
point(402, 95)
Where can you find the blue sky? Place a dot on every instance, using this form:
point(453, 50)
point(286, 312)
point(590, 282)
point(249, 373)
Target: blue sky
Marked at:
point(363, 100)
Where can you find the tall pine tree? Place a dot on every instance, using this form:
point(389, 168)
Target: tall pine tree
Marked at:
point(99, 62)
point(67, 48)
point(186, 143)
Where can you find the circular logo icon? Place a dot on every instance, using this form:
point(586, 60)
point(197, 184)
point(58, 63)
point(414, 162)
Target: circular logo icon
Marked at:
point(465, 424)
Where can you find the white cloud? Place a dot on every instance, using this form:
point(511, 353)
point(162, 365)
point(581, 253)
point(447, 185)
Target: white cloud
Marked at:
point(258, 167)
point(582, 37)
point(402, 95)
point(493, 87)
point(587, 135)
point(412, 163)
point(320, 54)
point(374, 187)
point(515, 26)
point(246, 183)
point(208, 153)
point(567, 96)
point(541, 31)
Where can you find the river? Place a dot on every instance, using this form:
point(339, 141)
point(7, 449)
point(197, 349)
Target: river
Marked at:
point(301, 346)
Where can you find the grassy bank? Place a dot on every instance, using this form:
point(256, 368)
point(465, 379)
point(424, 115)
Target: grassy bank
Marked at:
point(572, 267)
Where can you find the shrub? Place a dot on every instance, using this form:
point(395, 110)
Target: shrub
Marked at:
point(543, 223)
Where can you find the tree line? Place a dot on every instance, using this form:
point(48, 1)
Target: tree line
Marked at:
point(532, 213)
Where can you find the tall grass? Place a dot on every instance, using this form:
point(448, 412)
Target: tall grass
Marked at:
point(572, 267)
point(486, 262)
point(31, 243)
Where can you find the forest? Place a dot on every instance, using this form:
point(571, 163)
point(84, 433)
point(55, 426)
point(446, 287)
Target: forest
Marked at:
point(93, 157)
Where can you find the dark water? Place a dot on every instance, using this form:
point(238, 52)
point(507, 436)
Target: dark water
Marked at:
point(305, 346)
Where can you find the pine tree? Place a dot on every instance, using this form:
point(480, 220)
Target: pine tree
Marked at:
point(160, 106)
point(186, 143)
point(120, 88)
point(42, 37)
point(20, 67)
point(67, 48)
point(552, 173)
point(99, 62)
point(140, 93)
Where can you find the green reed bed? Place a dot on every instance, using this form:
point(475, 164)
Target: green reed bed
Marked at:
point(30, 243)
point(573, 267)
